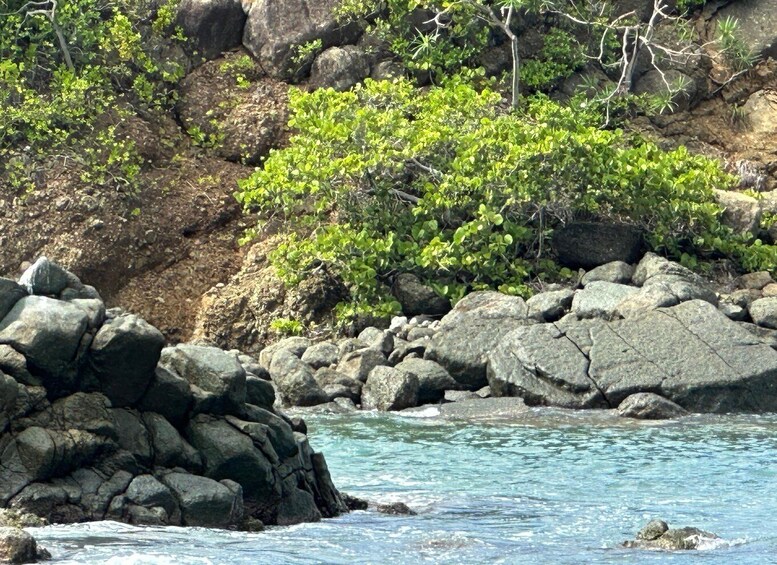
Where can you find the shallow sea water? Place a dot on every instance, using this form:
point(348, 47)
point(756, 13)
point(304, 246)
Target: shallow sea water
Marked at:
point(554, 487)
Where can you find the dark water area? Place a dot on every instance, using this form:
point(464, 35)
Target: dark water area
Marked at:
point(553, 487)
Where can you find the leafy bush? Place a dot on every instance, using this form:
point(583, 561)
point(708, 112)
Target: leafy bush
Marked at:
point(287, 326)
point(66, 69)
point(561, 55)
point(442, 183)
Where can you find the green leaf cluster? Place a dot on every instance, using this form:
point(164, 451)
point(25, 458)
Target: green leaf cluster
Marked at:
point(287, 326)
point(560, 56)
point(421, 45)
point(442, 182)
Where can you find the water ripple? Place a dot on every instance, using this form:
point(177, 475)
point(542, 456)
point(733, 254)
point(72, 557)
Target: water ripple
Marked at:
point(556, 487)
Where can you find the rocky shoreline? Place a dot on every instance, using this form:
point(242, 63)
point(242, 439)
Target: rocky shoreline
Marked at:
point(100, 421)
point(653, 340)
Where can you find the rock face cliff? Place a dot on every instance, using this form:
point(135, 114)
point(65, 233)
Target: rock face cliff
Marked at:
point(98, 420)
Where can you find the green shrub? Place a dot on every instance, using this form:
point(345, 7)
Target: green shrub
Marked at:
point(442, 183)
point(561, 55)
point(64, 79)
point(287, 326)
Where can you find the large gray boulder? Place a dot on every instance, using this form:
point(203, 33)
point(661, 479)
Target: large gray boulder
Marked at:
point(376, 338)
point(551, 305)
point(742, 213)
point(690, 354)
point(664, 283)
point(614, 272)
point(388, 388)
point(650, 406)
point(295, 345)
point(48, 333)
point(600, 299)
point(216, 372)
point(543, 365)
point(133, 436)
point(80, 411)
point(340, 68)
point(433, 379)
point(123, 356)
point(663, 291)
point(358, 364)
point(761, 118)
point(469, 331)
point(229, 453)
point(38, 454)
point(337, 385)
point(203, 501)
point(652, 265)
point(417, 298)
point(259, 392)
point(148, 492)
point(10, 294)
point(321, 354)
point(46, 278)
point(764, 312)
point(14, 364)
point(168, 394)
point(276, 30)
point(295, 381)
point(9, 392)
point(278, 430)
point(214, 26)
point(170, 449)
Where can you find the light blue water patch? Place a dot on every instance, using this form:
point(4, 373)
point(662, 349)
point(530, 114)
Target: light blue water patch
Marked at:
point(555, 488)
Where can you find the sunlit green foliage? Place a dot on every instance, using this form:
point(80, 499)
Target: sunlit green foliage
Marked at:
point(287, 326)
point(443, 183)
point(65, 70)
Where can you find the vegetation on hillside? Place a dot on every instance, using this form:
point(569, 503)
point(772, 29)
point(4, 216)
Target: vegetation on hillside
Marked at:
point(449, 185)
point(67, 70)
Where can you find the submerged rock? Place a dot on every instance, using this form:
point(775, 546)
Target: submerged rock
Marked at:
point(657, 535)
point(17, 546)
point(485, 409)
point(396, 509)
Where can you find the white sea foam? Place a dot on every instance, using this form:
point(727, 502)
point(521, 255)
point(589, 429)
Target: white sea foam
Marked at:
point(423, 412)
point(708, 544)
point(152, 559)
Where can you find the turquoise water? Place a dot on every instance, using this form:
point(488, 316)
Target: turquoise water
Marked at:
point(553, 488)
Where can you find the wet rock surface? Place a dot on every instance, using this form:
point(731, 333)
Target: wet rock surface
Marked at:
point(657, 535)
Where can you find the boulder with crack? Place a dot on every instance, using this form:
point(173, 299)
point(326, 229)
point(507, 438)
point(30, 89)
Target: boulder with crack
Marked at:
point(691, 354)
